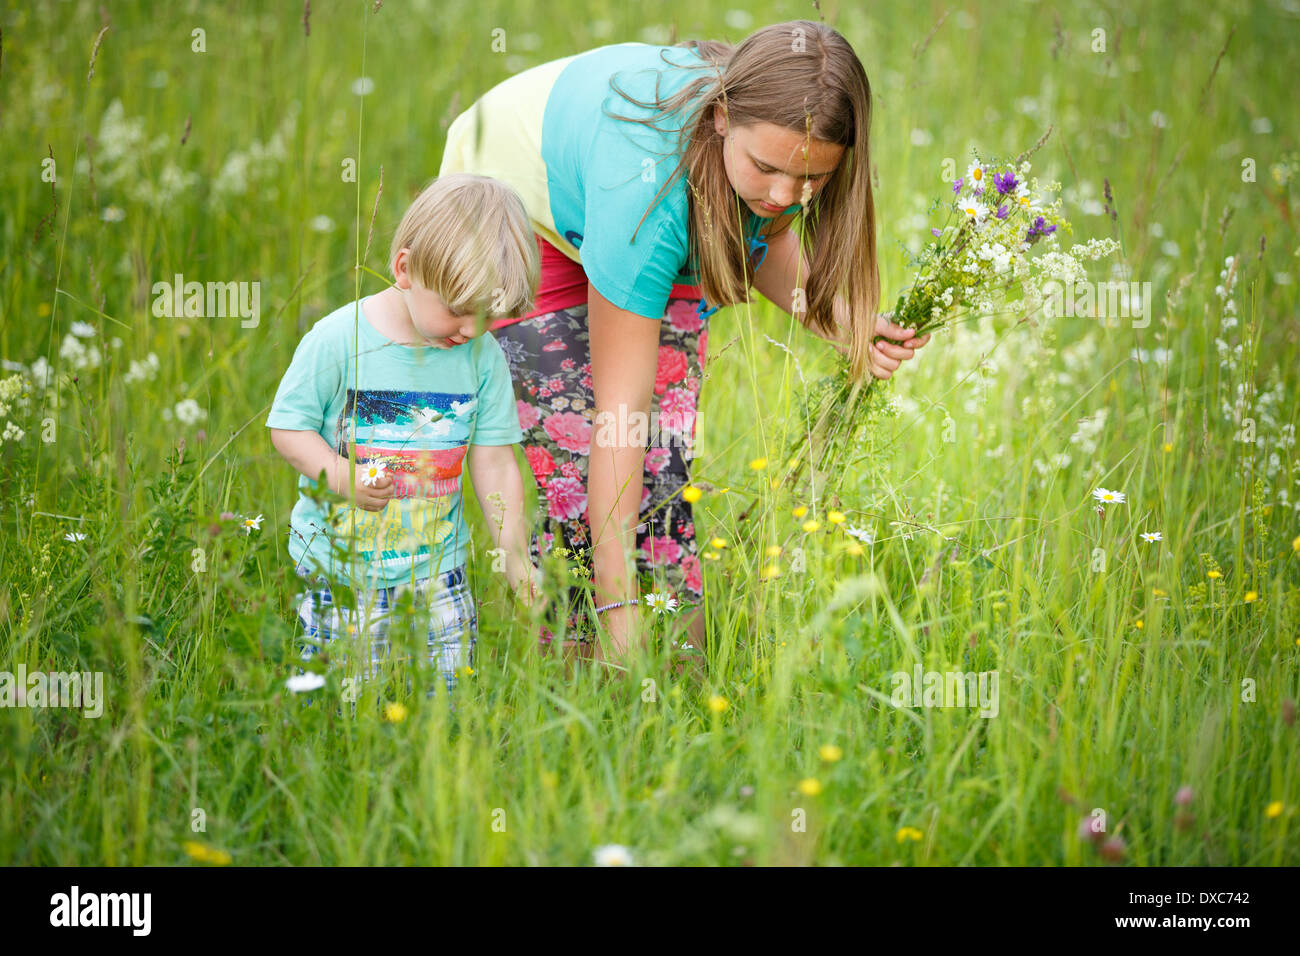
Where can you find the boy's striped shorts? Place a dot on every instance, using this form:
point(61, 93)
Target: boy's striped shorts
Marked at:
point(443, 615)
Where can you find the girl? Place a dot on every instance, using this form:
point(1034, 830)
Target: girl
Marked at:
point(662, 183)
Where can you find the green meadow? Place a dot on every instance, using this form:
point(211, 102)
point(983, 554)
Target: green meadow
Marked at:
point(1144, 688)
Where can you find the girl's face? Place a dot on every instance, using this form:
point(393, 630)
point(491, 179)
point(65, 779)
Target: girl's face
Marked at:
point(766, 165)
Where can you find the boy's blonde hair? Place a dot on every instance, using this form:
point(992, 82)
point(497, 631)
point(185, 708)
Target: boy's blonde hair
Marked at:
point(471, 243)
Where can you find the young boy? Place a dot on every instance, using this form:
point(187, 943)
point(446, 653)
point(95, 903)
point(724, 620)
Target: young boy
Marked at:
point(388, 397)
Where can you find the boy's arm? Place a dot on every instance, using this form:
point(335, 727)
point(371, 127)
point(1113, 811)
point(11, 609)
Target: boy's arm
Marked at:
point(310, 455)
point(499, 487)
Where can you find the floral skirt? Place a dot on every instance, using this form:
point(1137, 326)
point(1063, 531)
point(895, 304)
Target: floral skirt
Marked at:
point(550, 362)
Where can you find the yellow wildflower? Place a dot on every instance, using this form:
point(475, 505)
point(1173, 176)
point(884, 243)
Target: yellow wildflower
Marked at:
point(830, 752)
point(1251, 597)
point(1214, 574)
point(811, 525)
point(394, 712)
point(718, 543)
point(908, 833)
point(773, 550)
point(758, 464)
point(800, 511)
point(835, 517)
point(809, 786)
point(1273, 810)
point(691, 494)
point(717, 704)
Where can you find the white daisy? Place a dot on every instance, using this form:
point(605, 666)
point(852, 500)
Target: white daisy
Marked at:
point(613, 855)
point(972, 208)
point(74, 536)
point(976, 176)
point(1151, 536)
point(1108, 497)
point(372, 471)
point(304, 682)
point(249, 525)
point(661, 603)
point(862, 534)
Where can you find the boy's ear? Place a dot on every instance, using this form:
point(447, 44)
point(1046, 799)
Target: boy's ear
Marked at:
point(399, 267)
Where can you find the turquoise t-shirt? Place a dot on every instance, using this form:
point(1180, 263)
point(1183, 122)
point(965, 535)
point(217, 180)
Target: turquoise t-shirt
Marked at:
point(416, 410)
point(586, 178)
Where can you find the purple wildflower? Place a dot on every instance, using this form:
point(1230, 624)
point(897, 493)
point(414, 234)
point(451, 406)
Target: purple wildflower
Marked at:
point(1002, 211)
point(1005, 181)
point(956, 187)
point(936, 233)
point(1038, 229)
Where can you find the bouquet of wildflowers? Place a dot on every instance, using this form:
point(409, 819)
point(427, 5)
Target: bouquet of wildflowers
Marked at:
point(1000, 238)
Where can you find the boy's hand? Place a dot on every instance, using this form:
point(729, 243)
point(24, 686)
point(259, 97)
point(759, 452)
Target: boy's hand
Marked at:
point(530, 591)
point(370, 497)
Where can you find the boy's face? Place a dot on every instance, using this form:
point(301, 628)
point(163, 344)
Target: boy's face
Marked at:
point(430, 317)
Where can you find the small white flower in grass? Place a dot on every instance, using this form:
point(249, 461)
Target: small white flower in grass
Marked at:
point(661, 603)
point(862, 534)
point(613, 855)
point(249, 525)
point(301, 683)
point(975, 177)
point(83, 330)
point(189, 412)
point(363, 86)
point(1107, 497)
point(74, 536)
point(372, 471)
point(1151, 536)
point(321, 223)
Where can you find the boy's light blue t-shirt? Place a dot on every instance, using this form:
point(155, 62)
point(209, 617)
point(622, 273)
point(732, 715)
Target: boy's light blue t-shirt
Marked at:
point(417, 410)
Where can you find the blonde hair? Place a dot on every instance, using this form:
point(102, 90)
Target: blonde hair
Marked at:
point(470, 242)
point(802, 76)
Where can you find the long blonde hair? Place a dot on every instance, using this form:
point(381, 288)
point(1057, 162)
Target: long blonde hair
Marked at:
point(802, 76)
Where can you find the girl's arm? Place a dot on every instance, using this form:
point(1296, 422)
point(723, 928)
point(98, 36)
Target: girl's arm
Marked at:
point(499, 487)
point(624, 359)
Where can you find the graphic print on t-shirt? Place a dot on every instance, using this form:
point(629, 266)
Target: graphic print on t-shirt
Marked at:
point(421, 438)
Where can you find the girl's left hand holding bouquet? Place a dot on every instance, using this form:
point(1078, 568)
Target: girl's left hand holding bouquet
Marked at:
point(885, 357)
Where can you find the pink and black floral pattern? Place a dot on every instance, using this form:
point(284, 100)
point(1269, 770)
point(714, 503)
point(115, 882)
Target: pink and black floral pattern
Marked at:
point(550, 362)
